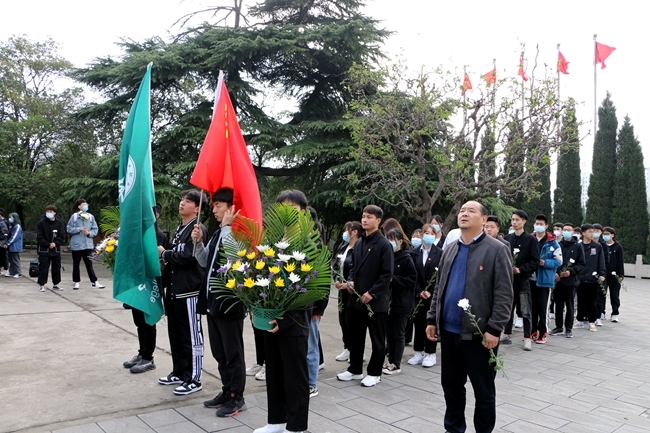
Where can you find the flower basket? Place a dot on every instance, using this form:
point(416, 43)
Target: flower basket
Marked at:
point(262, 317)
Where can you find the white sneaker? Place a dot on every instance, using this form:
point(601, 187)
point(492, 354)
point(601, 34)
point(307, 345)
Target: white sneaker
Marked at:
point(599, 322)
point(76, 286)
point(602, 316)
point(418, 358)
point(261, 375)
point(614, 318)
point(579, 325)
point(321, 366)
point(527, 344)
point(42, 289)
point(551, 315)
point(370, 381)
point(17, 276)
point(347, 376)
point(271, 428)
point(344, 356)
point(429, 360)
point(251, 371)
point(519, 323)
point(98, 285)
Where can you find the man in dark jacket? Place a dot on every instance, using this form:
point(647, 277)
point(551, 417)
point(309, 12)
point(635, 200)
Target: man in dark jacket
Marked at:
point(370, 279)
point(4, 234)
point(615, 271)
point(225, 316)
point(566, 281)
point(601, 295)
point(183, 321)
point(49, 236)
point(525, 253)
point(477, 268)
point(592, 275)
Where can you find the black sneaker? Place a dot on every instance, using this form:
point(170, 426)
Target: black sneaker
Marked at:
point(187, 388)
point(170, 380)
point(506, 340)
point(232, 407)
point(556, 331)
point(568, 334)
point(142, 366)
point(216, 402)
point(132, 362)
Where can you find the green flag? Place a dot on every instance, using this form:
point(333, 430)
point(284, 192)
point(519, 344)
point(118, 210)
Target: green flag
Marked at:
point(136, 262)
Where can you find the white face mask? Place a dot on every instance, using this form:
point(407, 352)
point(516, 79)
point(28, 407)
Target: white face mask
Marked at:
point(557, 233)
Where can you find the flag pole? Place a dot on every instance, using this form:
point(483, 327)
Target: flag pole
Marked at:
point(557, 66)
point(494, 89)
point(595, 82)
point(464, 99)
point(523, 101)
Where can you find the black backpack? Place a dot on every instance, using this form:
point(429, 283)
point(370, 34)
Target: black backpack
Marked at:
point(33, 268)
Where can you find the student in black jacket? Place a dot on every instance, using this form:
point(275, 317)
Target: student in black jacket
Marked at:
point(525, 256)
point(370, 279)
point(49, 236)
point(566, 281)
point(615, 271)
point(402, 299)
point(592, 275)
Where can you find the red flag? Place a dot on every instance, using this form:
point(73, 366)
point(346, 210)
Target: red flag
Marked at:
point(602, 53)
point(224, 161)
point(562, 64)
point(521, 72)
point(467, 84)
point(491, 77)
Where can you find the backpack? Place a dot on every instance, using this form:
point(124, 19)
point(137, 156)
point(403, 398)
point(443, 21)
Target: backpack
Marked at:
point(33, 268)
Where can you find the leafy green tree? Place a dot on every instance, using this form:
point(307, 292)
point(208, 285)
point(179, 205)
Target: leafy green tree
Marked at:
point(603, 166)
point(568, 189)
point(630, 209)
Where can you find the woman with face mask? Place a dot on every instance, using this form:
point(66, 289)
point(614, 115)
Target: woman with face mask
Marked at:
point(14, 246)
point(436, 224)
point(82, 227)
point(402, 292)
point(340, 271)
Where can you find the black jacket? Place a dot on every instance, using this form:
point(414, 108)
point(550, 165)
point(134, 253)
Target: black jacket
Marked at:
point(372, 271)
point(571, 250)
point(185, 274)
point(48, 231)
point(339, 274)
point(594, 262)
point(426, 272)
point(402, 285)
point(615, 262)
point(528, 257)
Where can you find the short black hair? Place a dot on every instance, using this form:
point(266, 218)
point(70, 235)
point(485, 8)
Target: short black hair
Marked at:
point(157, 209)
point(375, 210)
point(610, 230)
point(396, 234)
point(597, 226)
point(438, 218)
point(494, 219)
point(2, 212)
point(586, 227)
point(79, 201)
point(192, 195)
point(558, 224)
point(353, 226)
point(293, 196)
point(577, 230)
point(313, 213)
point(484, 209)
point(541, 217)
point(224, 195)
point(568, 224)
point(50, 207)
point(521, 214)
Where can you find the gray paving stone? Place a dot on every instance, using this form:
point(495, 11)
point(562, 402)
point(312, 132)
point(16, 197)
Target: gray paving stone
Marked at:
point(88, 428)
point(131, 424)
point(181, 427)
point(162, 418)
point(207, 418)
point(521, 426)
point(385, 414)
point(364, 423)
point(534, 417)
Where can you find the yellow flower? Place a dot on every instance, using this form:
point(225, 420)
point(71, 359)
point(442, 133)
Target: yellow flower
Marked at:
point(290, 267)
point(248, 282)
point(110, 248)
point(274, 269)
point(279, 282)
point(230, 284)
point(305, 267)
point(111, 242)
point(260, 265)
point(251, 256)
point(269, 253)
point(241, 253)
point(236, 265)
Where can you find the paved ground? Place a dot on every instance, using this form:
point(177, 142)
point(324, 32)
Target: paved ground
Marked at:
point(61, 357)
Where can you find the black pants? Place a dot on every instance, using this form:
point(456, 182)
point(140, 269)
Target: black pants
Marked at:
point(344, 299)
point(563, 296)
point(185, 338)
point(76, 261)
point(359, 322)
point(521, 288)
point(395, 337)
point(614, 294)
point(4, 264)
point(540, 297)
point(44, 261)
point(587, 293)
point(287, 380)
point(260, 344)
point(146, 335)
point(463, 358)
point(420, 340)
point(227, 345)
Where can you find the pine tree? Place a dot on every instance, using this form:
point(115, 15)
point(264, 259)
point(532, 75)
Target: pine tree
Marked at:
point(630, 209)
point(541, 204)
point(567, 192)
point(601, 182)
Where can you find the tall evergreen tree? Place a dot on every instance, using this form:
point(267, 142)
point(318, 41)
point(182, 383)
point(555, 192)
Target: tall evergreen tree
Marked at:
point(542, 203)
point(630, 209)
point(601, 182)
point(567, 192)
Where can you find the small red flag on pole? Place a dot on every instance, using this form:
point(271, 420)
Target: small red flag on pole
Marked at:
point(521, 72)
point(491, 77)
point(562, 64)
point(602, 53)
point(467, 84)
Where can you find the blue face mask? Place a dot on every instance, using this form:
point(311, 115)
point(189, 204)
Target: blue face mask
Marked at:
point(539, 229)
point(11, 220)
point(49, 215)
point(428, 239)
point(436, 227)
point(607, 238)
point(596, 235)
point(416, 242)
point(84, 208)
point(567, 235)
point(394, 245)
point(346, 237)
point(511, 231)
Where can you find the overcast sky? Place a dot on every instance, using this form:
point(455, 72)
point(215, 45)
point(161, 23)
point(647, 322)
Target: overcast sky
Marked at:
point(427, 32)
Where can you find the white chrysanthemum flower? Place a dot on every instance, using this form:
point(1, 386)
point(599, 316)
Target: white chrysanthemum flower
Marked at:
point(552, 249)
point(516, 250)
point(594, 274)
point(572, 261)
point(464, 304)
point(262, 282)
point(614, 273)
point(240, 268)
point(262, 248)
point(284, 257)
point(298, 256)
point(294, 278)
point(283, 245)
